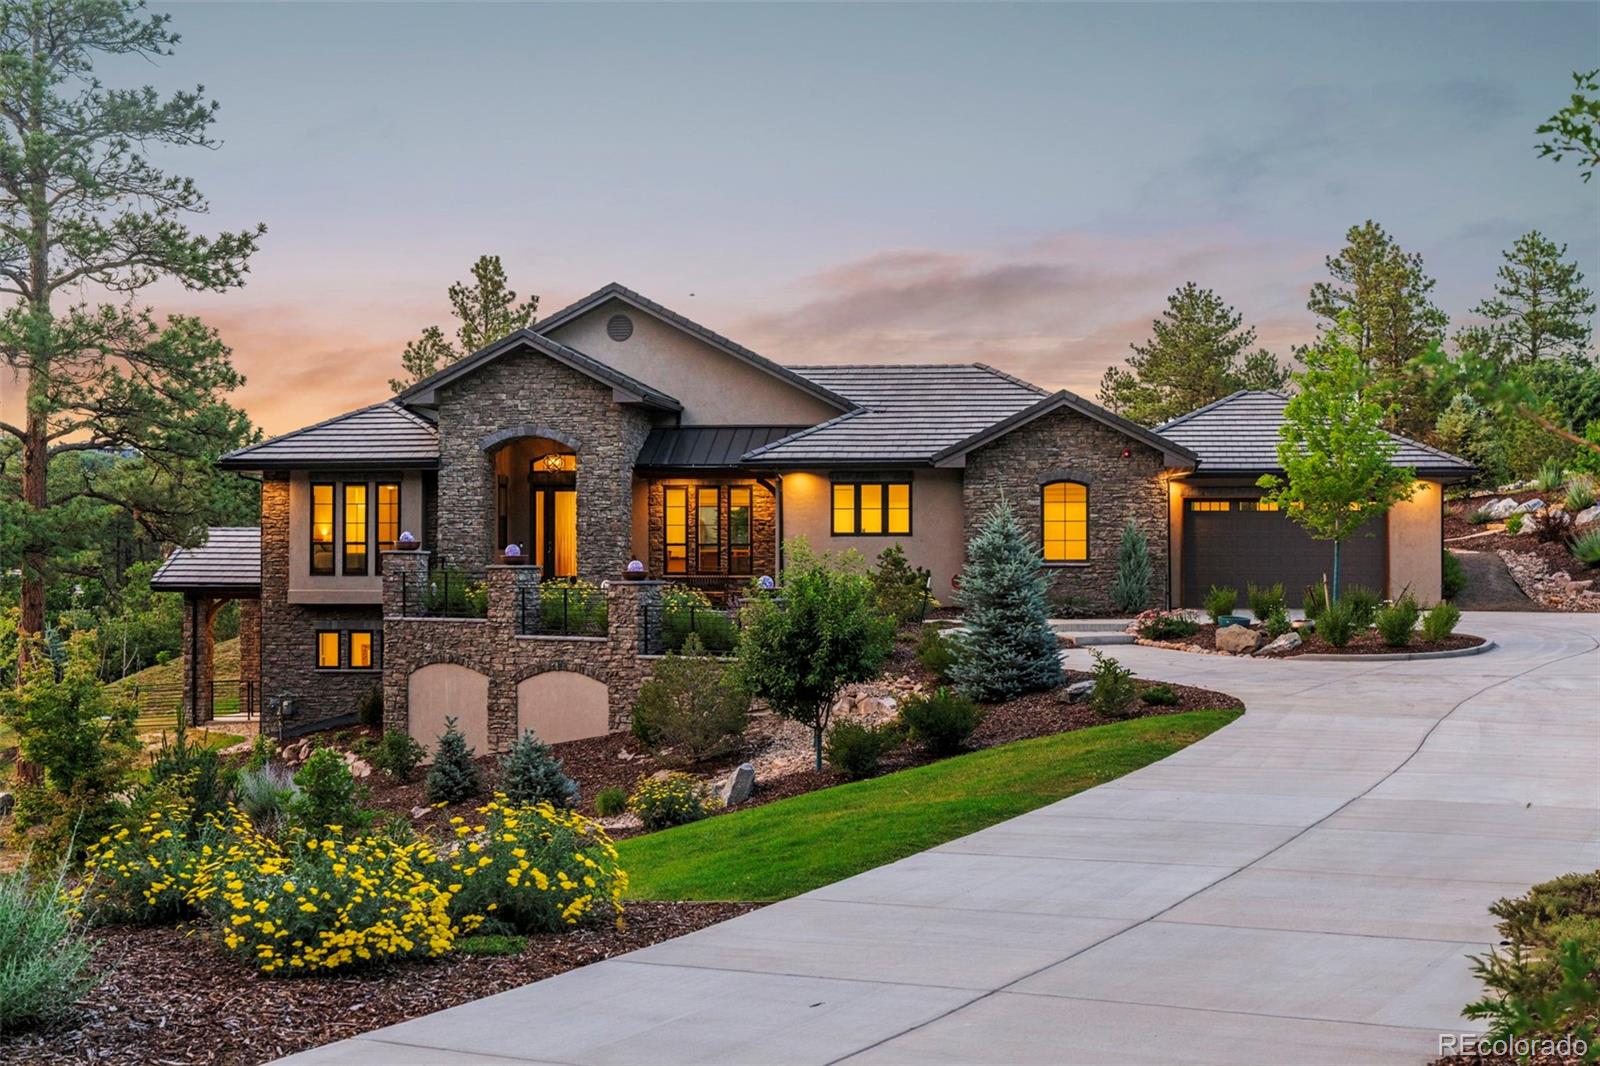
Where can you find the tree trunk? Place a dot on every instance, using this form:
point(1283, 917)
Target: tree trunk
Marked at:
point(1333, 596)
point(816, 742)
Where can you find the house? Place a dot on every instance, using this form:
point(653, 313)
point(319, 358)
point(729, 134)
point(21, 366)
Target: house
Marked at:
point(619, 430)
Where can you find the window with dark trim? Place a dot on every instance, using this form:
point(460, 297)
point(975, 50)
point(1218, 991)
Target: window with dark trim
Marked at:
point(739, 529)
point(1210, 505)
point(363, 649)
point(327, 649)
point(356, 518)
point(871, 508)
point(1065, 516)
point(322, 561)
point(675, 505)
point(708, 530)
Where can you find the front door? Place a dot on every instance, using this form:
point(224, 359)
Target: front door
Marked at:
point(553, 513)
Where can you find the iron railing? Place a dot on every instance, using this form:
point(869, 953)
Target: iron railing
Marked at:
point(561, 609)
point(222, 697)
point(664, 628)
point(445, 592)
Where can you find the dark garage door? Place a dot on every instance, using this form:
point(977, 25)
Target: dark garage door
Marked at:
point(1237, 542)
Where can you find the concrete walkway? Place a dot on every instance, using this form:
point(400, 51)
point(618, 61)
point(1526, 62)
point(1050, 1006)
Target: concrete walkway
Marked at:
point(1303, 886)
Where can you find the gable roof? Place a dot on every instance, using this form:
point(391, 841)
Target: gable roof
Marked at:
point(907, 413)
point(383, 435)
point(1175, 455)
point(1238, 434)
point(615, 291)
point(229, 559)
point(628, 389)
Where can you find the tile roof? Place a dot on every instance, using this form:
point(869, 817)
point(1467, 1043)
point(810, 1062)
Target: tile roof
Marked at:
point(1175, 455)
point(681, 447)
point(228, 560)
point(385, 434)
point(907, 413)
point(422, 392)
point(1239, 434)
point(615, 291)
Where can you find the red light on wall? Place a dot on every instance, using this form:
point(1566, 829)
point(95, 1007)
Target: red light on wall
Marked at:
point(1127, 453)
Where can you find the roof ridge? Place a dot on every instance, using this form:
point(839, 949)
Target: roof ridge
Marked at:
point(328, 422)
point(1041, 390)
point(1204, 408)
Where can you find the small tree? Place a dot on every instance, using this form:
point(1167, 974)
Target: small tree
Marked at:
point(1008, 647)
point(1333, 448)
point(823, 633)
point(1130, 592)
point(530, 773)
point(692, 704)
point(453, 776)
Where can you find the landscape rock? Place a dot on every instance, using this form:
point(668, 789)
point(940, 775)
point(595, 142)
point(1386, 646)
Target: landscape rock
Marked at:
point(736, 788)
point(1528, 506)
point(1066, 640)
point(419, 812)
point(1076, 692)
point(8, 803)
point(1237, 640)
point(1288, 642)
point(1500, 508)
point(877, 706)
point(1587, 517)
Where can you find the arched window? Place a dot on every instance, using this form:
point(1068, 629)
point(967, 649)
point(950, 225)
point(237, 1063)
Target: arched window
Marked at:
point(1066, 522)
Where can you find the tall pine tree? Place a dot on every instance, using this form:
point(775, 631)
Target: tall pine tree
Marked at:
point(485, 311)
point(1008, 647)
point(1540, 308)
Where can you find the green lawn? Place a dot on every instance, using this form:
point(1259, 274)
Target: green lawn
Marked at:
point(794, 845)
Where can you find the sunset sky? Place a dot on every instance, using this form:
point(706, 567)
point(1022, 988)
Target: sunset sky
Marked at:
point(1021, 185)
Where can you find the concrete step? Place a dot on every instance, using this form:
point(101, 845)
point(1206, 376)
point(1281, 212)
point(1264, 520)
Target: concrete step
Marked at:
point(1090, 625)
point(1089, 640)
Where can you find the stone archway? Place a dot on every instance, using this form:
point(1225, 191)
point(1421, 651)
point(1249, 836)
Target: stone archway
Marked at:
point(447, 690)
point(563, 705)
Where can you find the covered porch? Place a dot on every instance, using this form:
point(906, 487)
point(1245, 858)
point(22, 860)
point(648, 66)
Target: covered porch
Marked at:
point(225, 567)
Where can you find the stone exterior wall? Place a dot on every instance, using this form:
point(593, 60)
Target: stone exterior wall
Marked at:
point(492, 647)
point(1067, 445)
point(288, 655)
point(763, 533)
point(528, 389)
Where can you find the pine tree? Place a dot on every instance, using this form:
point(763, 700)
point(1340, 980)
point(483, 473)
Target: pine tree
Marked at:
point(1130, 592)
point(453, 776)
point(486, 311)
point(530, 774)
point(1540, 308)
point(1008, 647)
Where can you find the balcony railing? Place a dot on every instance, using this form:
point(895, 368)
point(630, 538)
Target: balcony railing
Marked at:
point(665, 628)
point(561, 609)
point(445, 592)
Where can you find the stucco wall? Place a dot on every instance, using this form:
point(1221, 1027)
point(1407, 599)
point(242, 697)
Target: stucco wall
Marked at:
point(306, 587)
point(936, 522)
point(1416, 544)
point(714, 388)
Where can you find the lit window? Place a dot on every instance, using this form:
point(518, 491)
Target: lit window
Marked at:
point(900, 508)
point(677, 530)
point(328, 650)
point(1210, 505)
point(707, 530)
point(739, 530)
point(1066, 522)
point(1258, 505)
point(322, 529)
point(361, 641)
point(844, 509)
point(388, 516)
point(871, 508)
point(355, 529)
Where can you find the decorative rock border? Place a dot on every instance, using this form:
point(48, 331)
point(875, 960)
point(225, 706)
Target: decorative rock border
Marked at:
point(1396, 656)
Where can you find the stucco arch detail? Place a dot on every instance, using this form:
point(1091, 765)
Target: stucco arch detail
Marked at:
point(561, 705)
point(448, 690)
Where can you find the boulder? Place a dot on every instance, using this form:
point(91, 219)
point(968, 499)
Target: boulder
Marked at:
point(1288, 642)
point(1066, 640)
point(1237, 640)
point(1528, 506)
point(1500, 508)
point(735, 789)
point(1588, 516)
point(1076, 692)
point(876, 707)
point(419, 812)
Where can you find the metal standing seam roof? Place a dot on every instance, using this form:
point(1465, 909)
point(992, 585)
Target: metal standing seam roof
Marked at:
point(385, 434)
point(1239, 434)
point(228, 560)
point(907, 412)
point(689, 447)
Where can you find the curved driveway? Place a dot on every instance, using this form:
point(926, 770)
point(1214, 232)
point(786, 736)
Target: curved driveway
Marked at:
point(1304, 885)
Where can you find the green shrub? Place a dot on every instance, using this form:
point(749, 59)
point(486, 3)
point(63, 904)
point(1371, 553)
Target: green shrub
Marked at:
point(1580, 493)
point(491, 945)
point(1397, 622)
point(1545, 984)
point(1440, 621)
point(531, 774)
point(1336, 624)
point(532, 869)
point(1130, 590)
point(1265, 599)
point(1479, 518)
point(611, 801)
point(263, 749)
point(1586, 548)
point(855, 750)
point(452, 594)
point(900, 590)
point(572, 606)
point(688, 611)
point(193, 771)
point(936, 651)
point(1454, 580)
point(1168, 627)
point(44, 960)
point(1514, 523)
point(1009, 647)
point(397, 754)
point(1114, 691)
point(265, 794)
point(453, 776)
point(666, 801)
point(369, 712)
point(692, 705)
point(1313, 601)
point(1363, 603)
point(142, 871)
point(1551, 525)
point(1221, 600)
point(1277, 623)
point(329, 799)
point(1160, 696)
point(941, 722)
point(1549, 476)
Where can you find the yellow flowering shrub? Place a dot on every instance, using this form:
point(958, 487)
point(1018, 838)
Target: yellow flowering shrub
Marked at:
point(312, 903)
point(537, 868)
point(673, 799)
point(143, 870)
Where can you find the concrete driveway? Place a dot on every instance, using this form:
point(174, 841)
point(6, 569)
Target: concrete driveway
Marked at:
point(1304, 885)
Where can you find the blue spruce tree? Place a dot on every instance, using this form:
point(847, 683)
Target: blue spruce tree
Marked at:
point(1008, 647)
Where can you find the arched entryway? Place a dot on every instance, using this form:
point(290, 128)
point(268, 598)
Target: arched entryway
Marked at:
point(536, 498)
point(562, 705)
point(446, 690)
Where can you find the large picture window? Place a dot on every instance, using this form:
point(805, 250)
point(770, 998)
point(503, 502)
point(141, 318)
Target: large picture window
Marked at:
point(355, 528)
point(676, 506)
point(707, 530)
point(871, 508)
point(1066, 522)
point(739, 529)
point(322, 529)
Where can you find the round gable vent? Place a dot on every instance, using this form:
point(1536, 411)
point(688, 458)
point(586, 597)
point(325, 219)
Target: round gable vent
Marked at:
point(619, 327)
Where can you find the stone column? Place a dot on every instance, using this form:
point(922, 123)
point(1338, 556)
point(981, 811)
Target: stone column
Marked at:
point(405, 579)
point(625, 602)
point(508, 587)
point(199, 646)
point(250, 657)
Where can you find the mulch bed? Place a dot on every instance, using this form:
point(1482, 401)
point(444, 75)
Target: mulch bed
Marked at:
point(1554, 554)
point(1368, 643)
point(171, 995)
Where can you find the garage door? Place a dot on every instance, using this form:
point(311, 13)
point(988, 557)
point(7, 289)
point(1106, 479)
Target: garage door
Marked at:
point(1240, 541)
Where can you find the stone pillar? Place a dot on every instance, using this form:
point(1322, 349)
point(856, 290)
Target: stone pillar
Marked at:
point(405, 579)
point(624, 601)
point(508, 586)
point(250, 657)
point(199, 646)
